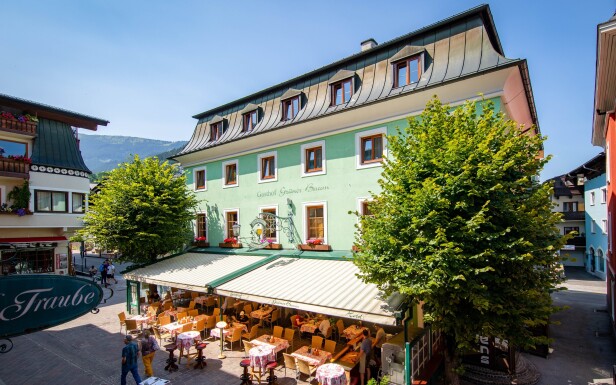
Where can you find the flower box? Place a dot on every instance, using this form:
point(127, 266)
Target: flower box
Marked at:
point(273, 246)
point(201, 244)
point(313, 247)
point(26, 128)
point(229, 245)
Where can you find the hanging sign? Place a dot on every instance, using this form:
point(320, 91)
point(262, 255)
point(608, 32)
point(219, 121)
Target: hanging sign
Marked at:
point(30, 303)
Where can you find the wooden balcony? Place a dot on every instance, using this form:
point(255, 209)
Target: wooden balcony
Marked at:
point(17, 127)
point(14, 168)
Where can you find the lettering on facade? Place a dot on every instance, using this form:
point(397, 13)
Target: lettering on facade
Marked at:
point(284, 303)
point(285, 191)
point(350, 314)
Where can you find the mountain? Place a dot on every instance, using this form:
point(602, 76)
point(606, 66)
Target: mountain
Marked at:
point(105, 152)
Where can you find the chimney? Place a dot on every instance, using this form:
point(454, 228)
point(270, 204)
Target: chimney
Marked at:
point(367, 44)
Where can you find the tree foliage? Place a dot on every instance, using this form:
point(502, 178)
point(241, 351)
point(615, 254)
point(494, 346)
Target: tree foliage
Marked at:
point(143, 209)
point(463, 224)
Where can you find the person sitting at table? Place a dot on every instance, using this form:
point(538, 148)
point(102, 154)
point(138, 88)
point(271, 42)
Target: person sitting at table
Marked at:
point(155, 297)
point(243, 318)
point(229, 321)
point(324, 327)
point(299, 321)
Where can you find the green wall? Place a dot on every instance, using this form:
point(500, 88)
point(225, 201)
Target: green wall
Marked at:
point(340, 187)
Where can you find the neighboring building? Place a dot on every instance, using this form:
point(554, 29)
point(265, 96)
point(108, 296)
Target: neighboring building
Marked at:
point(288, 163)
point(604, 135)
point(40, 155)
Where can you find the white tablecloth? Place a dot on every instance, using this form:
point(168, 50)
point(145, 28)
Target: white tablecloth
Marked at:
point(261, 355)
point(187, 339)
point(331, 374)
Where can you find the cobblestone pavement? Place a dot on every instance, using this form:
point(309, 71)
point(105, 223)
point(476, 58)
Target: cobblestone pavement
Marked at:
point(583, 349)
point(87, 351)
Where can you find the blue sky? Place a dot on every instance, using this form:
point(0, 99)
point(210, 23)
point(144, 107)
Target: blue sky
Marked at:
point(148, 66)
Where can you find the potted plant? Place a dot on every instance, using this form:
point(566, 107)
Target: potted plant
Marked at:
point(230, 243)
point(201, 242)
point(314, 245)
point(271, 245)
point(18, 123)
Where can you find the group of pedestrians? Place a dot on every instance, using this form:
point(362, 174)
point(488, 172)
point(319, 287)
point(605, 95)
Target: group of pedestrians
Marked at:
point(147, 347)
point(107, 270)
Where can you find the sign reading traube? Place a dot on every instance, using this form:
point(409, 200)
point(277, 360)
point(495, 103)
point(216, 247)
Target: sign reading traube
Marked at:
point(34, 302)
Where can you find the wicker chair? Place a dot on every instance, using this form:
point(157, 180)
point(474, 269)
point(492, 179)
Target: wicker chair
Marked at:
point(330, 346)
point(289, 363)
point(253, 333)
point(277, 332)
point(122, 317)
point(317, 342)
point(235, 336)
point(304, 367)
point(289, 335)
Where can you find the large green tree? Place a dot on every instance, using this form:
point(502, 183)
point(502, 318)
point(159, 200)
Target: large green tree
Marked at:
point(463, 225)
point(143, 209)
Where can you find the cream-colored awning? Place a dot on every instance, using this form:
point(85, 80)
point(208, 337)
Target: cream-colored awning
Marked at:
point(193, 271)
point(318, 285)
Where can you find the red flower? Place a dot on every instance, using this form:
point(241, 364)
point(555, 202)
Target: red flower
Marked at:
point(229, 240)
point(315, 241)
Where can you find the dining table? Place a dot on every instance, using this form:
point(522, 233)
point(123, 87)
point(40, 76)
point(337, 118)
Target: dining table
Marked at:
point(141, 319)
point(353, 331)
point(261, 355)
point(185, 340)
point(261, 313)
point(276, 343)
point(331, 374)
point(172, 327)
point(314, 357)
point(215, 332)
point(310, 326)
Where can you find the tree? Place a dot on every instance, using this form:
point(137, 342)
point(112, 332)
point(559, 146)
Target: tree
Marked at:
point(463, 225)
point(143, 209)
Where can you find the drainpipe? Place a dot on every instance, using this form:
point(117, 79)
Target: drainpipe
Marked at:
point(407, 349)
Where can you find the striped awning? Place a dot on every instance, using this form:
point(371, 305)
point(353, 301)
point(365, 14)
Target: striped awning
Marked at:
point(314, 284)
point(194, 271)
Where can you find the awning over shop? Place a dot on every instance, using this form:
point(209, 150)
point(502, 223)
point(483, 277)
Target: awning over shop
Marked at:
point(32, 239)
point(194, 271)
point(313, 284)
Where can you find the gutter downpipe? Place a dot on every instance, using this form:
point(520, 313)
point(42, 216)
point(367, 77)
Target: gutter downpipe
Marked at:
point(407, 349)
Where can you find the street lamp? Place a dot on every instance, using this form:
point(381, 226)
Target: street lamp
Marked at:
point(236, 231)
point(221, 325)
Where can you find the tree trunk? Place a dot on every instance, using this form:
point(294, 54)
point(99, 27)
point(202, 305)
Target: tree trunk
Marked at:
point(452, 361)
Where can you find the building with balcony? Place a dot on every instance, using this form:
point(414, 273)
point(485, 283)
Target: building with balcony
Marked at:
point(44, 184)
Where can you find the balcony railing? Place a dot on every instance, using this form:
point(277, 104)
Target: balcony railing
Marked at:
point(15, 168)
point(15, 126)
point(574, 215)
point(577, 241)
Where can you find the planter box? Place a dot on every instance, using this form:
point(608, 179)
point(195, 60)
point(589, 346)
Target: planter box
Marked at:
point(201, 244)
point(274, 246)
point(308, 247)
point(12, 125)
point(230, 245)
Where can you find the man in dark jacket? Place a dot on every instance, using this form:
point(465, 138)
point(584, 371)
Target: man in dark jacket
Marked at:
point(129, 360)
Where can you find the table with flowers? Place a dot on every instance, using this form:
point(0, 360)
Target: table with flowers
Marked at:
point(331, 374)
point(261, 355)
point(315, 357)
point(215, 332)
point(277, 344)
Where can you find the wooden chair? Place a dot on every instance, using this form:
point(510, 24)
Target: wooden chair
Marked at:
point(273, 317)
point(247, 346)
point(277, 331)
point(200, 327)
point(168, 305)
point(191, 305)
point(122, 317)
point(289, 335)
point(160, 336)
point(289, 363)
point(253, 333)
point(340, 327)
point(235, 336)
point(216, 313)
point(193, 313)
point(164, 320)
point(317, 342)
point(210, 302)
point(210, 324)
point(304, 367)
point(181, 315)
point(256, 373)
point(248, 309)
point(187, 327)
point(194, 294)
point(131, 326)
point(330, 346)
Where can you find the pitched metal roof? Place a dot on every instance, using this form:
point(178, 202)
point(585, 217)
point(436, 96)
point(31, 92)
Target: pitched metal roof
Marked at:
point(55, 145)
point(325, 286)
point(605, 80)
point(462, 46)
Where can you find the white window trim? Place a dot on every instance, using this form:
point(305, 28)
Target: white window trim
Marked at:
point(363, 134)
point(237, 173)
point(304, 147)
point(330, 90)
point(3, 194)
point(359, 202)
point(259, 165)
point(305, 218)
point(195, 170)
point(603, 195)
point(592, 226)
point(604, 226)
point(275, 207)
point(592, 198)
point(224, 219)
point(207, 225)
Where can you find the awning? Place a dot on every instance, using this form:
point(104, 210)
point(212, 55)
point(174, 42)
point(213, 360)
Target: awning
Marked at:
point(32, 239)
point(314, 284)
point(194, 271)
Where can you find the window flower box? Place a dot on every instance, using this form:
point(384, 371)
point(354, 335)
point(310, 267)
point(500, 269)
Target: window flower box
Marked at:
point(230, 245)
point(201, 244)
point(313, 247)
point(273, 246)
point(25, 124)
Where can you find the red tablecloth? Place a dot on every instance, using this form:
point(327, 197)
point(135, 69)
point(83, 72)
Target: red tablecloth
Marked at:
point(331, 374)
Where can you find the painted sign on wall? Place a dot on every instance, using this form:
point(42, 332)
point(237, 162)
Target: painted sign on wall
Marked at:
point(35, 302)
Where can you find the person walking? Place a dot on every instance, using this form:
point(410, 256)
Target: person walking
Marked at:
point(103, 270)
point(111, 272)
point(129, 360)
point(149, 346)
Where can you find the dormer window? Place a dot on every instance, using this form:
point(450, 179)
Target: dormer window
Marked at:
point(215, 131)
point(290, 108)
point(407, 71)
point(342, 91)
point(250, 121)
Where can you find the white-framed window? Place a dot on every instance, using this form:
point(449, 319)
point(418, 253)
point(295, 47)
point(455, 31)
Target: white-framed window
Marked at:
point(267, 167)
point(604, 226)
point(592, 226)
point(603, 195)
point(313, 159)
point(592, 198)
point(200, 179)
point(230, 173)
point(201, 228)
point(271, 232)
point(363, 206)
point(231, 216)
point(370, 147)
point(315, 220)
